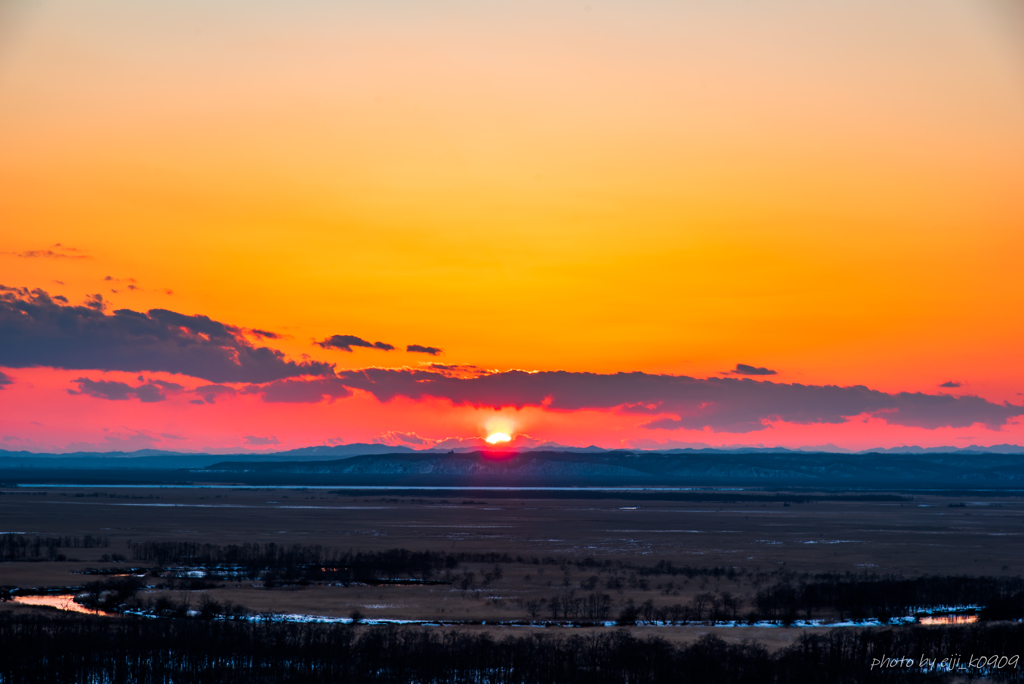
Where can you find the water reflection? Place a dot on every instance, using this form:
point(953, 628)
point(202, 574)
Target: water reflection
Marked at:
point(59, 601)
point(948, 619)
point(66, 602)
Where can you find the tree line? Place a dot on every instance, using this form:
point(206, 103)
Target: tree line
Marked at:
point(309, 562)
point(120, 594)
point(129, 651)
point(297, 560)
point(1000, 598)
point(849, 590)
point(880, 597)
point(22, 547)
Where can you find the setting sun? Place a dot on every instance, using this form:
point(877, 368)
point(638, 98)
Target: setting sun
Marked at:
point(498, 438)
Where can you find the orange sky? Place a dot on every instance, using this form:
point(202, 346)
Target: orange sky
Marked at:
point(829, 191)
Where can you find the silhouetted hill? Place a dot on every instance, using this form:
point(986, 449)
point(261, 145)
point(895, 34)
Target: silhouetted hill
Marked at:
point(153, 458)
point(961, 469)
point(366, 464)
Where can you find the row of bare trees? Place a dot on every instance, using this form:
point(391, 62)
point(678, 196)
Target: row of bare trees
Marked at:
point(37, 649)
point(1002, 597)
point(21, 547)
point(704, 607)
point(880, 597)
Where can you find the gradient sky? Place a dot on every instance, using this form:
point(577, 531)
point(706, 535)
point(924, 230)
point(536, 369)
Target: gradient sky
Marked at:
point(830, 191)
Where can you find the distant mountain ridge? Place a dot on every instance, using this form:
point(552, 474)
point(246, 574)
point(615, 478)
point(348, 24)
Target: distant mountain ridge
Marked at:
point(624, 467)
point(164, 459)
point(1000, 468)
point(365, 449)
point(155, 458)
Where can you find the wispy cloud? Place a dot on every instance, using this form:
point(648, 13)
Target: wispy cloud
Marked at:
point(261, 441)
point(57, 251)
point(118, 285)
point(265, 334)
point(395, 438)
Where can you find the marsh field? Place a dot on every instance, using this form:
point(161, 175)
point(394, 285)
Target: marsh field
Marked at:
point(772, 575)
point(516, 556)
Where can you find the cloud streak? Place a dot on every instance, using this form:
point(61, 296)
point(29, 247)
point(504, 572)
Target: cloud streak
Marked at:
point(120, 391)
point(57, 251)
point(261, 441)
point(744, 369)
point(346, 342)
point(37, 330)
point(301, 391)
point(210, 393)
point(420, 349)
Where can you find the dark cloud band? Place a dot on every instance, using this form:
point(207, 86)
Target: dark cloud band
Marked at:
point(36, 330)
point(674, 402)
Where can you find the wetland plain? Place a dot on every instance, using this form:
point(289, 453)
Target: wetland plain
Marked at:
point(517, 555)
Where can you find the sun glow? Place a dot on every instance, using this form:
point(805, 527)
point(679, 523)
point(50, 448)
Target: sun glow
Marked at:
point(499, 430)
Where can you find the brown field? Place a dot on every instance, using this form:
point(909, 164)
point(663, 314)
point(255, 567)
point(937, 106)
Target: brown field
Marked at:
point(923, 536)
